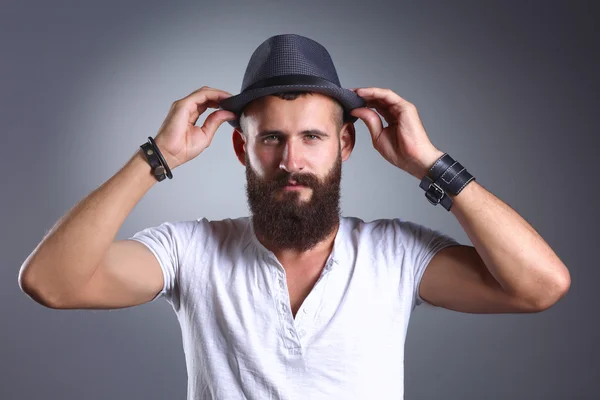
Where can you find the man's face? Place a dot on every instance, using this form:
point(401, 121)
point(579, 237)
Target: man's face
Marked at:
point(293, 164)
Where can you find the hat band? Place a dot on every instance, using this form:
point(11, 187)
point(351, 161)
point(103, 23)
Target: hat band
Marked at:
point(296, 79)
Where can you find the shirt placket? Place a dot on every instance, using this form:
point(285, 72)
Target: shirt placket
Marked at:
point(294, 331)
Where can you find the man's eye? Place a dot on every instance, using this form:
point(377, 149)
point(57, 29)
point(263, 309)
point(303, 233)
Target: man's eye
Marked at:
point(271, 138)
point(312, 137)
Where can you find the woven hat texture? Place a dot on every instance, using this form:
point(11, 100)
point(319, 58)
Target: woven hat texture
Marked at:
point(287, 63)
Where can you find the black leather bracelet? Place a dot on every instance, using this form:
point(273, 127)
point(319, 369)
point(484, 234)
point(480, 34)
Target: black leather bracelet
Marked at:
point(160, 169)
point(445, 176)
point(161, 158)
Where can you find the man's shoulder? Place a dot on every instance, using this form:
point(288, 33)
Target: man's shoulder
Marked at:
point(229, 225)
point(382, 231)
point(203, 226)
point(229, 221)
point(356, 223)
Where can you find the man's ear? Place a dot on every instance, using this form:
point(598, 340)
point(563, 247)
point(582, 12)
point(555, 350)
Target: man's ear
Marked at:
point(239, 145)
point(347, 139)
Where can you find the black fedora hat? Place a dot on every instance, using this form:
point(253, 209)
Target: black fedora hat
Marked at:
point(290, 63)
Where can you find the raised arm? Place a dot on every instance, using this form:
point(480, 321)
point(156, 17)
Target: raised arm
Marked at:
point(78, 264)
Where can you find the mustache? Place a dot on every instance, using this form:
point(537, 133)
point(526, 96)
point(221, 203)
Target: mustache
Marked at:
point(308, 180)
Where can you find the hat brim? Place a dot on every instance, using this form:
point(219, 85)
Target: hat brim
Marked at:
point(347, 98)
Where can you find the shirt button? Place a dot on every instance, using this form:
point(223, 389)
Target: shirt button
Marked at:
point(305, 311)
point(301, 333)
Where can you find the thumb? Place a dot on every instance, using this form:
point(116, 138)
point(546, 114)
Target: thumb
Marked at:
point(371, 119)
point(214, 120)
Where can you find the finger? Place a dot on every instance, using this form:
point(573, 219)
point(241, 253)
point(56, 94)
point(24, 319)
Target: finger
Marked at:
point(376, 98)
point(201, 108)
point(381, 105)
point(390, 115)
point(371, 119)
point(385, 96)
point(208, 88)
point(214, 120)
point(197, 102)
point(206, 95)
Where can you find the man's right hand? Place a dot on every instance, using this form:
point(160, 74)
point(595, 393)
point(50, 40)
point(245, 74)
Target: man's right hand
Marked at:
point(179, 139)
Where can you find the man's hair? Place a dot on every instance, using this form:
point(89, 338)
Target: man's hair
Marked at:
point(338, 115)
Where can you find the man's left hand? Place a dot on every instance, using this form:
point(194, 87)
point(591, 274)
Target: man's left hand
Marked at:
point(404, 142)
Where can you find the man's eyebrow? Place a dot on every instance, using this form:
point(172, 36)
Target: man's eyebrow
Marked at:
point(316, 132)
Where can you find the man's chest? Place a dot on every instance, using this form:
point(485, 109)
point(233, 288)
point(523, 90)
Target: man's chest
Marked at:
point(300, 282)
point(301, 276)
point(305, 323)
point(265, 297)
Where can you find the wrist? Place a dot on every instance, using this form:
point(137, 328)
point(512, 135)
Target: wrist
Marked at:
point(427, 162)
point(159, 167)
point(445, 177)
point(171, 160)
point(140, 167)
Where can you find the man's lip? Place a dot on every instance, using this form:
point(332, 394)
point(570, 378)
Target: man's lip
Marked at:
point(294, 185)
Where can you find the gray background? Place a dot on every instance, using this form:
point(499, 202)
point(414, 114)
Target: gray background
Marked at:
point(510, 89)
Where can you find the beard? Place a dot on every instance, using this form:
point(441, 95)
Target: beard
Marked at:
point(283, 219)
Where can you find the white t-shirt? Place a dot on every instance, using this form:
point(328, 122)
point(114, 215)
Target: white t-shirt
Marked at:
point(240, 338)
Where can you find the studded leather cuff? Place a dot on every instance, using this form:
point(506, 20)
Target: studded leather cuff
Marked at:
point(160, 169)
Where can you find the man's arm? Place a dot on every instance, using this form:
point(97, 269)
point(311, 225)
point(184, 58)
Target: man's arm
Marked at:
point(510, 269)
point(58, 272)
point(78, 264)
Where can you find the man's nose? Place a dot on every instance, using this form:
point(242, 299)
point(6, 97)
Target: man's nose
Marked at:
point(292, 159)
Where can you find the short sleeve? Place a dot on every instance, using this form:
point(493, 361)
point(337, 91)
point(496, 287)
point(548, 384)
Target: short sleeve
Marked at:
point(420, 245)
point(168, 242)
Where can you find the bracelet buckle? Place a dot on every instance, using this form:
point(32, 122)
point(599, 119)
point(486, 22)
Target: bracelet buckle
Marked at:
point(436, 195)
point(433, 192)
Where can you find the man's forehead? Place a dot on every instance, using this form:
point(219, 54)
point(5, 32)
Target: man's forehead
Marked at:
point(307, 112)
